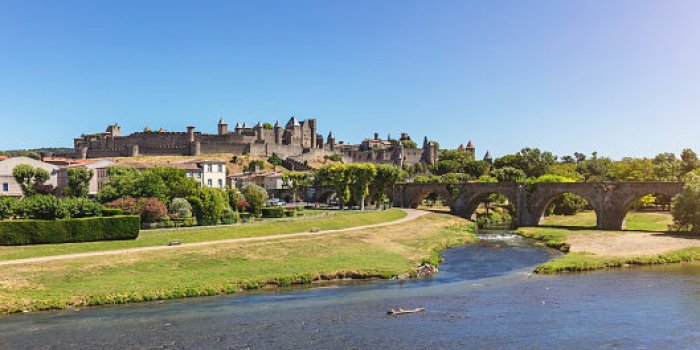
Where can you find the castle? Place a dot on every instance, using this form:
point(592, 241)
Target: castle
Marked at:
point(297, 140)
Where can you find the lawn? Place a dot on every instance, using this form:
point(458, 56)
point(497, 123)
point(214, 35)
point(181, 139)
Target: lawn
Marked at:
point(379, 252)
point(636, 221)
point(326, 220)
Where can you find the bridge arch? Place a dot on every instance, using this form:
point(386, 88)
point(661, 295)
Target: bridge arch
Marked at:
point(541, 196)
point(471, 195)
point(624, 195)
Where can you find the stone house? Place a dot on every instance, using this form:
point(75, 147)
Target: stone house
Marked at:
point(8, 184)
point(100, 168)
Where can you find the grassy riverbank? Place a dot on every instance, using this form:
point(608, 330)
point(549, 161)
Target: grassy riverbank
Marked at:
point(380, 252)
point(643, 243)
point(322, 220)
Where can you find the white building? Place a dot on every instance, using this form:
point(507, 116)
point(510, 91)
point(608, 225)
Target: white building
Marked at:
point(208, 173)
point(10, 187)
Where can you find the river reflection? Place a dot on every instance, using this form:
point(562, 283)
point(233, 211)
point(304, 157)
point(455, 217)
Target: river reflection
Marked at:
point(483, 297)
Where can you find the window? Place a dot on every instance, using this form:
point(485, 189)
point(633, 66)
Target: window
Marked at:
point(221, 183)
point(209, 168)
point(5, 187)
point(209, 183)
point(221, 168)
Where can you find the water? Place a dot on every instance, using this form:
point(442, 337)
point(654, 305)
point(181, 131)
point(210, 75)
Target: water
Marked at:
point(483, 298)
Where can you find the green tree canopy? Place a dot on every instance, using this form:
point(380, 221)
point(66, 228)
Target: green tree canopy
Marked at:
point(686, 205)
point(79, 181)
point(29, 178)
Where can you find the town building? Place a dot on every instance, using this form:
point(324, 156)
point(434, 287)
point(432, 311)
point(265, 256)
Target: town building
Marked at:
point(8, 184)
point(99, 167)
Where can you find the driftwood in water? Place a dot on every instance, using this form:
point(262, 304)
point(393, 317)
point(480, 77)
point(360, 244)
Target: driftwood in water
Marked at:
point(393, 312)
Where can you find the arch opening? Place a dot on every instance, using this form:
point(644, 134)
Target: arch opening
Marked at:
point(648, 212)
point(491, 210)
point(566, 209)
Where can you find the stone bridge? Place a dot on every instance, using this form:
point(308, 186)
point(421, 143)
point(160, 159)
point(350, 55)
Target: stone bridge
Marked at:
point(610, 200)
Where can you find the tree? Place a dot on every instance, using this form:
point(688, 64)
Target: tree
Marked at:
point(532, 161)
point(631, 169)
point(686, 206)
point(79, 181)
point(447, 166)
point(256, 197)
point(409, 144)
point(208, 205)
point(162, 183)
point(255, 165)
point(690, 161)
point(476, 168)
point(180, 208)
point(275, 160)
point(29, 178)
point(337, 175)
point(667, 167)
point(296, 182)
point(387, 176)
point(594, 169)
point(508, 174)
point(361, 176)
point(7, 207)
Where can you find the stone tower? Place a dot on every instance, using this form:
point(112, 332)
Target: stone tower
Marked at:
point(223, 127)
point(330, 141)
point(471, 149)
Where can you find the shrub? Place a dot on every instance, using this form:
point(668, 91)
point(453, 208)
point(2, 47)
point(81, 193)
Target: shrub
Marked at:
point(180, 208)
point(20, 232)
point(127, 205)
point(82, 207)
point(290, 213)
point(151, 210)
point(111, 211)
point(8, 205)
point(229, 217)
point(44, 207)
point(256, 197)
point(208, 205)
point(273, 212)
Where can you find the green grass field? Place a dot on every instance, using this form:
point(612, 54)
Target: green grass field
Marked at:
point(327, 220)
point(636, 221)
point(379, 252)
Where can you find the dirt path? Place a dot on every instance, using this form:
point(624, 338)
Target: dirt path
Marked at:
point(629, 244)
point(411, 214)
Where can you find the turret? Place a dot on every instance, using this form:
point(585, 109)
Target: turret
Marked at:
point(471, 149)
point(488, 158)
point(279, 133)
point(330, 140)
point(223, 127)
point(190, 133)
point(312, 128)
point(425, 142)
point(259, 131)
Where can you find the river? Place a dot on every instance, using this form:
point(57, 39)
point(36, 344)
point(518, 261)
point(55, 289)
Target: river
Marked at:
point(483, 298)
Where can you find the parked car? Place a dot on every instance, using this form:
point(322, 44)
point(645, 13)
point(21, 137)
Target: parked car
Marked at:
point(273, 202)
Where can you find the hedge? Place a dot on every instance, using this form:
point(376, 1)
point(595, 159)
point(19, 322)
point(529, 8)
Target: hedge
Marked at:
point(21, 232)
point(272, 212)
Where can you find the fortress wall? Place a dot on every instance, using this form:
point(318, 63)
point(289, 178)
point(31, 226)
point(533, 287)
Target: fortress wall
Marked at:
point(107, 152)
point(164, 150)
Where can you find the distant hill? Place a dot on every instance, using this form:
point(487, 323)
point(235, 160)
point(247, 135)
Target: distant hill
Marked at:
point(36, 152)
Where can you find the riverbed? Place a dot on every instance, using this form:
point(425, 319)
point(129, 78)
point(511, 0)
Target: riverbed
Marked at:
point(484, 297)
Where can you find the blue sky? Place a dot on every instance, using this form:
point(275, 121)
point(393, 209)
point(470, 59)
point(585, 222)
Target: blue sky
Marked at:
point(617, 77)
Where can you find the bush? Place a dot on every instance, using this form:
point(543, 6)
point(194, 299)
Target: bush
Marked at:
point(111, 211)
point(82, 207)
point(151, 210)
point(256, 197)
point(180, 208)
point(44, 207)
point(21, 232)
point(208, 205)
point(229, 217)
point(8, 205)
point(272, 212)
point(290, 213)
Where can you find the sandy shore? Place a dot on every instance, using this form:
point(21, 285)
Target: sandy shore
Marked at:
point(629, 243)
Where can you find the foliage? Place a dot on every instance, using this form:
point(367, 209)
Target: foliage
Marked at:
point(594, 169)
point(508, 174)
point(267, 126)
point(82, 207)
point(208, 205)
point(361, 176)
point(409, 144)
point(273, 212)
point(387, 176)
point(150, 209)
point(275, 160)
point(631, 169)
point(29, 178)
point(79, 181)
point(256, 197)
point(295, 181)
point(254, 165)
point(531, 161)
point(229, 217)
point(689, 161)
point(336, 175)
point(667, 167)
point(162, 183)
point(686, 206)
point(180, 208)
point(21, 232)
point(8, 205)
point(423, 179)
point(44, 207)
